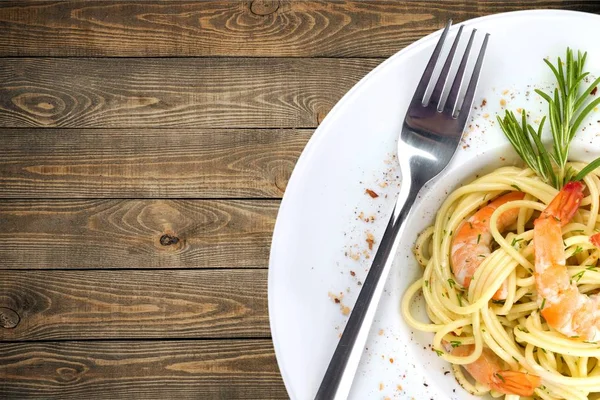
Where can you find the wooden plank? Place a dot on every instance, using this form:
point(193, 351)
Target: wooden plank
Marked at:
point(149, 163)
point(223, 369)
point(81, 234)
point(73, 305)
point(173, 92)
point(261, 28)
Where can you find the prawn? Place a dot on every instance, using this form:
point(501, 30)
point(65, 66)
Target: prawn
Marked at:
point(472, 243)
point(564, 308)
point(489, 370)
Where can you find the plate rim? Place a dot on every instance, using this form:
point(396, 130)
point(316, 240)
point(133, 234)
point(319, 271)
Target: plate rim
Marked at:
point(314, 140)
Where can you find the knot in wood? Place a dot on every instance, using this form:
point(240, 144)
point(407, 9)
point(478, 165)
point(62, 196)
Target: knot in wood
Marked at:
point(321, 116)
point(68, 374)
point(40, 104)
point(264, 7)
point(168, 240)
point(9, 319)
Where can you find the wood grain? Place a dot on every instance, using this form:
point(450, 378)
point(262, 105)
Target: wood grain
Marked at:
point(261, 28)
point(173, 92)
point(148, 163)
point(76, 305)
point(224, 369)
point(135, 233)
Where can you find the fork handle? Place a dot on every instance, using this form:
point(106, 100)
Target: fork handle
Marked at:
point(344, 362)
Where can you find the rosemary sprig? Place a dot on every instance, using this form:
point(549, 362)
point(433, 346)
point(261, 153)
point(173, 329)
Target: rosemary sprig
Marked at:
point(528, 144)
point(566, 111)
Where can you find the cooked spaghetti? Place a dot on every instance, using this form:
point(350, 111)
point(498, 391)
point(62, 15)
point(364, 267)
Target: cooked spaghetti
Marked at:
point(500, 312)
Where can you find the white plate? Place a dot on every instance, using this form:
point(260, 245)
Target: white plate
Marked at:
point(317, 227)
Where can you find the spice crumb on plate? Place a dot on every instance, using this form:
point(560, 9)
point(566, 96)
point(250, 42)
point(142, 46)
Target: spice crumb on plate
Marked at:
point(337, 299)
point(370, 240)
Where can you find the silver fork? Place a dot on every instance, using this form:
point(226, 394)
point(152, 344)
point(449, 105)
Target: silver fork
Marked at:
point(430, 136)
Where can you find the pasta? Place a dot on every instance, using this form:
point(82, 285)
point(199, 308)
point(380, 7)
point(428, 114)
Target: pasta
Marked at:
point(512, 329)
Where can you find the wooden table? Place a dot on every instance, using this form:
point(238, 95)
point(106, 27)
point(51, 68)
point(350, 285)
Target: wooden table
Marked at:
point(144, 149)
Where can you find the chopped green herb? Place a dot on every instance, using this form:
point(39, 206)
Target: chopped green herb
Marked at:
point(451, 283)
point(543, 304)
point(459, 299)
point(578, 275)
point(455, 343)
point(481, 255)
point(516, 187)
point(515, 358)
point(470, 225)
point(578, 250)
point(515, 241)
point(543, 350)
point(438, 352)
point(478, 238)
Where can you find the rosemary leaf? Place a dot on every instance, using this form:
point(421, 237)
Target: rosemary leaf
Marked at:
point(587, 169)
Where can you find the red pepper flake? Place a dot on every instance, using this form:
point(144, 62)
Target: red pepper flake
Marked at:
point(371, 193)
point(483, 103)
point(594, 90)
point(336, 300)
point(352, 273)
point(391, 360)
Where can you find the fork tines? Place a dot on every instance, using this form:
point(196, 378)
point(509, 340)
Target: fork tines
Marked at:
point(452, 103)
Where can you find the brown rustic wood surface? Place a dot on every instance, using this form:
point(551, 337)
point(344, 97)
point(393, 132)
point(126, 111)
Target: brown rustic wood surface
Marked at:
point(144, 148)
point(173, 92)
point(195, 303)
point(194, 369)
point(84, 234)
point(149, 163)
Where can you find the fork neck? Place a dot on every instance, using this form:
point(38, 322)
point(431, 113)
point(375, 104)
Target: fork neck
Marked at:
point(409, 190)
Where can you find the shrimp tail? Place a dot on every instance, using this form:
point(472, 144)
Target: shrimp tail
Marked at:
point(564, 206)
point(515, 382)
